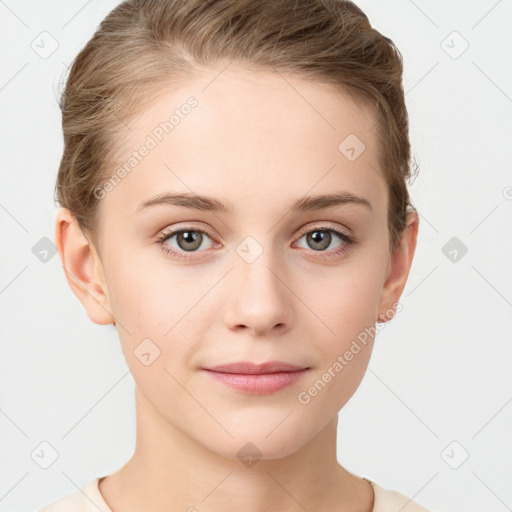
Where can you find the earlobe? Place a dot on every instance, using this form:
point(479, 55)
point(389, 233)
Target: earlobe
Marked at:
point(82, 267)
point(399, 267)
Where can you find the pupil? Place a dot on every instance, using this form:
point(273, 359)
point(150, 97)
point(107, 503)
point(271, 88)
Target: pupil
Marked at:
point(190, 237)
point(321, 237)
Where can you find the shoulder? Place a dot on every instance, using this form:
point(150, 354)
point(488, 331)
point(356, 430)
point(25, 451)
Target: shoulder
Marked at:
point(87, 499)
point(387, 500)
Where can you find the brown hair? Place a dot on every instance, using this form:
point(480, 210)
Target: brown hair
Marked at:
point(144, 45)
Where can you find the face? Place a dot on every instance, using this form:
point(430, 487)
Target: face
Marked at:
point(247, 276)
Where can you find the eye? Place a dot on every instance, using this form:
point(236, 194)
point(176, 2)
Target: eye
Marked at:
point(190, 240)
point(320, 238)
point(187, 240)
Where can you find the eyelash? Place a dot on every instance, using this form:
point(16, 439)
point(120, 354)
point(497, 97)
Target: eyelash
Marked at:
point(348, 241)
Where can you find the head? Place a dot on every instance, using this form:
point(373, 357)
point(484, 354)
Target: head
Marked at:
point(260, 106)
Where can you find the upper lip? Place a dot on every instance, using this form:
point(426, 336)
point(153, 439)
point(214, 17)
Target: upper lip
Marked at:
point(252, 368)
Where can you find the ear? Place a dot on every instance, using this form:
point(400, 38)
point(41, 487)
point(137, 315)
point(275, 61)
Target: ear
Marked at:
point(82, 267)
point(398, 269)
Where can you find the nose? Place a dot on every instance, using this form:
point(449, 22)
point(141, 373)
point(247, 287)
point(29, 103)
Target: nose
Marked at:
point(259, 299)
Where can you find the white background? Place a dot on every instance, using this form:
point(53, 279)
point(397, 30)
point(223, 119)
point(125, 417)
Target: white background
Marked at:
point(440, 371)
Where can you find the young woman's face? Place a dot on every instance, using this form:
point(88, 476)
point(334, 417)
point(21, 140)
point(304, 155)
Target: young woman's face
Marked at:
point(264, 282)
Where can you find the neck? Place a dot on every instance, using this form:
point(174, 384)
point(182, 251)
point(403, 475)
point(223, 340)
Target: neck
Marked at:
point(171, 470)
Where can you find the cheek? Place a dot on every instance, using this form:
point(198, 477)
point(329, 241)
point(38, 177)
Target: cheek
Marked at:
point(161, 315)
point(348, 318)
point(345, 303)
point(152, 298)
point(347, 312)
point(333, 384)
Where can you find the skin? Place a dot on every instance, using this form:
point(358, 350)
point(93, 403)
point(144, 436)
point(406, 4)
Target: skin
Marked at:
point(258, 141)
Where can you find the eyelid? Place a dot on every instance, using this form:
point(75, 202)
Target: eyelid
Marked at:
point(321, 225)
point(186, 226)
point(324, 226)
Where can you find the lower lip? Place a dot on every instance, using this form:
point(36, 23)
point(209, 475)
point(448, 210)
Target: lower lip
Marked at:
point(259, 384)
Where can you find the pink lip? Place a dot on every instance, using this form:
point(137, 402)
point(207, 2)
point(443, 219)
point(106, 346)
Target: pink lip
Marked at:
point(258, 379)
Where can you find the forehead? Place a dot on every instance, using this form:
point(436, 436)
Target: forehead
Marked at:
point(244, 135)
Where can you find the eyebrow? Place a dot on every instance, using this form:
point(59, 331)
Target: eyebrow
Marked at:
point(210, 204)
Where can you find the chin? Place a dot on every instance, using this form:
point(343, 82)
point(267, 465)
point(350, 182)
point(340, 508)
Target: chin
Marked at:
point(251, 442)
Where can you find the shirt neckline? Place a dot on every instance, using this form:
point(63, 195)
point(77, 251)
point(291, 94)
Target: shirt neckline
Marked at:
point(94, 488)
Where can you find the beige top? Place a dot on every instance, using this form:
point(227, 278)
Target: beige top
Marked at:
point(89, 499)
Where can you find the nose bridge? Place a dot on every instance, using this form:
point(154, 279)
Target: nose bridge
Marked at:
point(259, 298)
point(259, 260)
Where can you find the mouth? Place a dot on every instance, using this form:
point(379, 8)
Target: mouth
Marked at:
point(258, 379)
point(249, 368)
